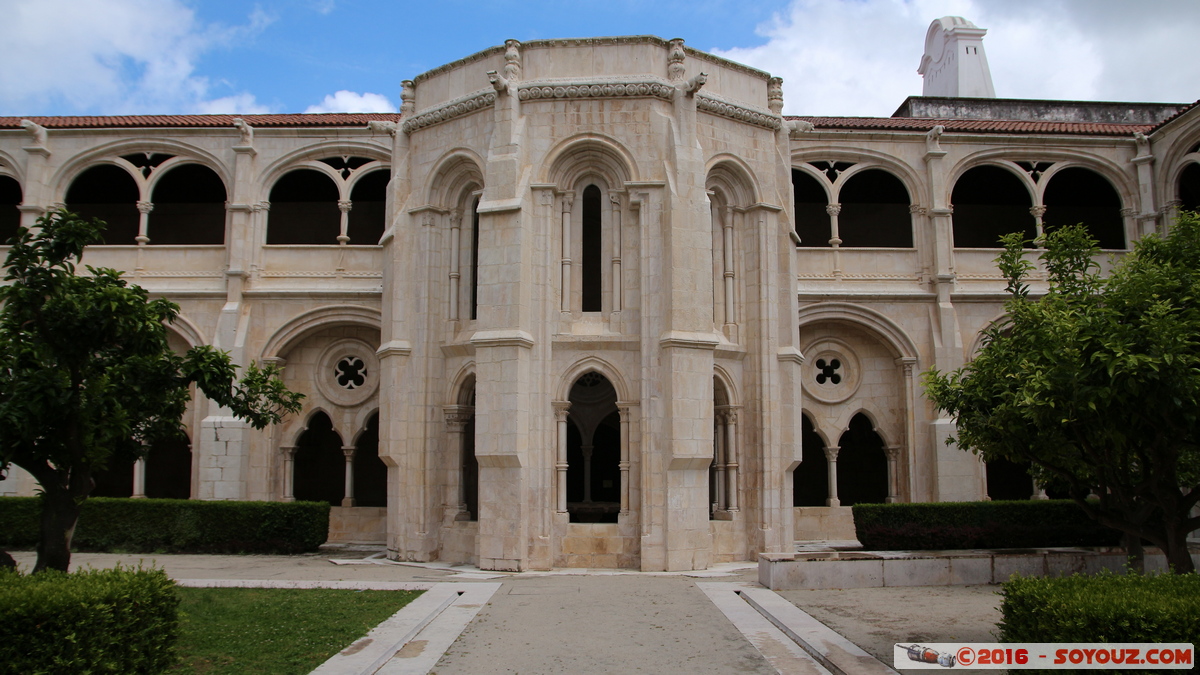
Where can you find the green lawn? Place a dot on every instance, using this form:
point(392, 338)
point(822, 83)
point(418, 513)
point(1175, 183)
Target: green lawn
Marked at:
point(274, 631)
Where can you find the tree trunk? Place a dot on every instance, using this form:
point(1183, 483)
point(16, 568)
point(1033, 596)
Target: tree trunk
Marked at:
point(1136, 554)
point(59, 515)
point(1179, 558)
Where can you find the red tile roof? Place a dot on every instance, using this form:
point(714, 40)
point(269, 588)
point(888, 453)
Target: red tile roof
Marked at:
point(973, 126)
point(198, 121)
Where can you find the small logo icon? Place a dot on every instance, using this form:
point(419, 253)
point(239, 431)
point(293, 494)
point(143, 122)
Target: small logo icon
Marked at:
point(926, 655)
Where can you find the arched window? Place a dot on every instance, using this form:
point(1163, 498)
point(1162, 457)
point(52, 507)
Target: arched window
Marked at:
point(109, 193)
point(874, 211)
point(810, 480)
point(812, 219)
point(189, 207)
point(862, 476)
point(10, 215)
point(319, 469)
point(591, 262)
point(475, 259)
point(1189, 187)
point(368, 208)
point(370, 473)
point(990, 202)
point(304, 209)
point(1078, 195)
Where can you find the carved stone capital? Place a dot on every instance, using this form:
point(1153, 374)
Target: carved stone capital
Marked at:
point(1037, 211)
point(344, 205)
point(561, 410)
point(458, 416)
point(831, 453)
point(833, 209)
point(892, 452)
point(145, 207)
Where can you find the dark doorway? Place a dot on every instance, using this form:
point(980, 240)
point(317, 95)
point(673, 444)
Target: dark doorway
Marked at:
point(319, 470)
point(189, 207)
point(1078, 195)
point(593, 451)
point(10, 215)
point(810, 200)
point(1008, 480)
point(109, 193)
point(875, 211)
point(862, 464)
point(304, 209)
point(370, 473)
point(169, 469)
point(810, 480)
point(367, 208)
point(989, 202)
point(1189, 187)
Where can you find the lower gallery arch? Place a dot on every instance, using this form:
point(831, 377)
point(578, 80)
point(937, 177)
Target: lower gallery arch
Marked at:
point(319, 467)
point(370, 473)
point(810, 480)
point(1008, 480)
point(593, 451)
point(164, 473)
point(862, 476)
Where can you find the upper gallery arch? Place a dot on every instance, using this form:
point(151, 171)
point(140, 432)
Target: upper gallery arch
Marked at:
point(456, 175)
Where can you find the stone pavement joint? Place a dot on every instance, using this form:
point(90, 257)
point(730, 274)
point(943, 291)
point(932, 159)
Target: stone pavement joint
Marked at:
point(837, 654)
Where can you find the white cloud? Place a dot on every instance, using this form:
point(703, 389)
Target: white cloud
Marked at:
point(349, 101)
point(860, 57)
point(323, 6)
point(112, 57)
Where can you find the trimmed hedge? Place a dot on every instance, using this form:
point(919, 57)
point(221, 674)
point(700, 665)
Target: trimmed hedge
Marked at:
point(95, 621)
point(176, 525)
point(1102, 608)
point(998, 524)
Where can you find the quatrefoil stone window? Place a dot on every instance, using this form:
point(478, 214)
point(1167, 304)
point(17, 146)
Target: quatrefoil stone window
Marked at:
point(827, 371)
point(351, 372)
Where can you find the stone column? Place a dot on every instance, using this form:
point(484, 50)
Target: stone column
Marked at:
point(348, 499)
point(455, 273)
point(615, 201)
point(289, 476)
point(139, 479)
point(144, 208)
point(1038, 212)
point(727, 264)
point(831, 454)
point(908, 364)
point(457, 418)
point(834, 239)
point(893, 460)
point(719, 456)
point(344, 205)
point(731, 465)
point(567, 200)
point(624, 411)
point(561, 410)
point(1039, 491)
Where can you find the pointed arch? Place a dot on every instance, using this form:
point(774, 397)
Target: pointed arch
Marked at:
point(592, 364)
point(888, 331)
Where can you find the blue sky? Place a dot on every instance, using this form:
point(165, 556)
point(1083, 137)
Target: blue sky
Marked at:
point(837, 57)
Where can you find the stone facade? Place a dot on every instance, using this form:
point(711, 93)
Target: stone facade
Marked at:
point(591, 302)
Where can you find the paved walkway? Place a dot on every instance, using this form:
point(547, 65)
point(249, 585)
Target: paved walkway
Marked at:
point(601, 622)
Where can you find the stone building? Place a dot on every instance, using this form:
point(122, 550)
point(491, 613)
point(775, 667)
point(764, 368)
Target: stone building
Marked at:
point(595, 302)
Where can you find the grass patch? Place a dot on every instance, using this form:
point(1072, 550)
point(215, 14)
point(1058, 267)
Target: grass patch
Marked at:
point(274, 631)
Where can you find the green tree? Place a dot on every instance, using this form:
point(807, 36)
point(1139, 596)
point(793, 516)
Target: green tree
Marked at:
point(1096, 383)
point(87, 378)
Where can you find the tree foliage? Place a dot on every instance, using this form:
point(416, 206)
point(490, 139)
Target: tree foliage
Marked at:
point(1096, 383)
point(87, 378)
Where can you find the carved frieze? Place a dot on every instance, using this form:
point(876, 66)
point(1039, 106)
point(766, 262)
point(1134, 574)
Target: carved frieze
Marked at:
point(580, 89)
point(451, 110)
point(713, 105)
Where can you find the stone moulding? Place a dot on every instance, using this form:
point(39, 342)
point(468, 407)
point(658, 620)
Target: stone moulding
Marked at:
point(715, 106)
point(457, 108)
point(595, 89)
point(646, 87)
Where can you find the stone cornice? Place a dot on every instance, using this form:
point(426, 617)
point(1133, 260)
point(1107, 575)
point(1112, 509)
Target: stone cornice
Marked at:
point(725, 63)
point(734, 111)
point(688, 340)
point(466, 60)
point(502, 338)
point(479, 100)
